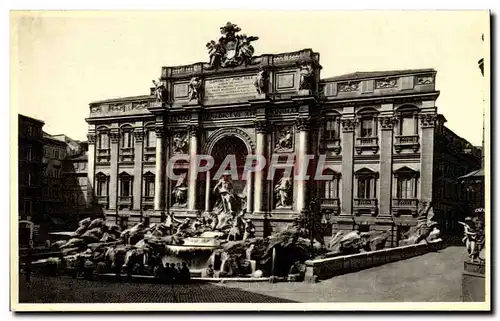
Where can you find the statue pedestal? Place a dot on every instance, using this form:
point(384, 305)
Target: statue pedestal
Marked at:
point(473, 282)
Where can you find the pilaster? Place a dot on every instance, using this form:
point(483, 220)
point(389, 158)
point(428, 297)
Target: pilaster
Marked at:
point(114, 137)
point(348, 126)
point(91, 137)
point(138, 181)
point(427, 124)
point(386, 142)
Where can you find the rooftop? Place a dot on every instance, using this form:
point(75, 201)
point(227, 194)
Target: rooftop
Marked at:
point(120, 99)
point(377, 74)
point(31, 118)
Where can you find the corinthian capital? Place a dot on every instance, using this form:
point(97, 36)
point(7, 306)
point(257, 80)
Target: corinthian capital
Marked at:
point(91, 138)
point(303, 123)
point(428, 120)
point(160, 131)
point(387, 122)
point(139, 135)
point(261, 126)
point(114, 137)
point(348, 125)
point(193, 130)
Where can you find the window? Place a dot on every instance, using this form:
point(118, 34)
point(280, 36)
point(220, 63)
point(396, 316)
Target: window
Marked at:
point(29, 130)
point(332, 129)
point(29, 179)
point(151, 141)
point(102, 184)
point(125, 185)
point(127, 140)
point(56, 154)
point(368, 127)
point(407, 126)
point(45, 152)
point(332, 189)
point(149, 188)
point(366, 188)
point(406, 183)
point(103, 141)
point(366, 183)
point(405, 188)
point(29, 154)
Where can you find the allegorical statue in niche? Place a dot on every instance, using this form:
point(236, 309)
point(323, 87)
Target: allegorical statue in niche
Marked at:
point(306, 76)
point(261, 82)
point(283, 192)
point(224, 188)
point(159, 90)
point(285, 141)
point(194, 89)
point(180, 191)
point(180, 144)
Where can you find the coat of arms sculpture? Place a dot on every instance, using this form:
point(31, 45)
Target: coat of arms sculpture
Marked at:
point(232, 49)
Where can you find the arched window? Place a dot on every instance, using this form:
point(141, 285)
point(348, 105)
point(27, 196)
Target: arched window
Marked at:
point(366, 184)
point(101, 185)
point(367, 123)
point(125, 185)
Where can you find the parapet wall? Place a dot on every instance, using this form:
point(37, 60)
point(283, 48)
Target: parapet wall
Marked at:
point(326, 268)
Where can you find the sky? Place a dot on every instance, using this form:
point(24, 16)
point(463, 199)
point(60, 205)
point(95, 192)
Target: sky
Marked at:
point(62, 61)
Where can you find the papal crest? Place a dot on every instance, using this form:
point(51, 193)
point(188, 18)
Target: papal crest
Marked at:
point(232, 49)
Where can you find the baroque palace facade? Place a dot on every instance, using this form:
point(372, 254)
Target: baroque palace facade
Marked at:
point(384, 141)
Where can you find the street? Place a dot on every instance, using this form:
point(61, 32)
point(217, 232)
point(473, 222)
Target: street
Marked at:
point(433, 277)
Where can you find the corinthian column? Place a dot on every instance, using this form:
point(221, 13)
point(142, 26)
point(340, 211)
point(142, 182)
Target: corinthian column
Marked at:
point(193, 151)
point(303, 150)
point(160, 168)
point(260, 149)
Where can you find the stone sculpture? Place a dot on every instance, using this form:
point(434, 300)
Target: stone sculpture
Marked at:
point(232, 49)
point(425, 226)
point(194, 89)
point(159, 90)
point(180, 191)
point(306, 76)
point(180, 144)
point(474, 238)
point(283, 192)
point(285, 141)
point(261, 82)
point(224, 188)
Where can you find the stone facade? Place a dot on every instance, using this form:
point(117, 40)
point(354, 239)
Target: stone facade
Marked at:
point(376, 130)
point(30, 146)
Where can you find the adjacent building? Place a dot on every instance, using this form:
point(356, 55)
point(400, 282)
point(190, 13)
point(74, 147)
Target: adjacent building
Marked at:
point(30, 146)
point(380, 133)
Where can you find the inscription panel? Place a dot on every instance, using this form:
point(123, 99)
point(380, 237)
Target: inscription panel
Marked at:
point(233, 87)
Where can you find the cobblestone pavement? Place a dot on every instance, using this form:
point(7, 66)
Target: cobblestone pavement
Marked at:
point(67, 290)
point(433, 277)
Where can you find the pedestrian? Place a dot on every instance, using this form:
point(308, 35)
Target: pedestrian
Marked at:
point(185, 273)
point(29, 258)
point(88, 270)
point(174, 272)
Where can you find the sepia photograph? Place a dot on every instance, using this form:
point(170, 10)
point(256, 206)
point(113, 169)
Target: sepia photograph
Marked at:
point(250, 160)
